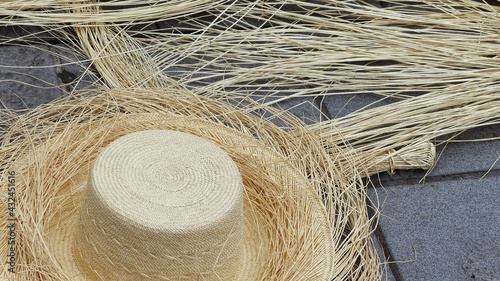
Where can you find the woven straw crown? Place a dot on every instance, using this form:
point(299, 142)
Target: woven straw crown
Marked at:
point(162, 205)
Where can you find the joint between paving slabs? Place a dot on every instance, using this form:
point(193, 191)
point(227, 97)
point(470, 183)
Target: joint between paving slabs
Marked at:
point(378, 183)
point(384, 246)
point(379, 233)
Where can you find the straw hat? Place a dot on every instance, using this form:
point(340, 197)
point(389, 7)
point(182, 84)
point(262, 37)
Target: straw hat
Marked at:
point(169, 197)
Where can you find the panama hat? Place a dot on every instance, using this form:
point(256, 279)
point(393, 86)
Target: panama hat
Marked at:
point(304, 213)
point(166, 197)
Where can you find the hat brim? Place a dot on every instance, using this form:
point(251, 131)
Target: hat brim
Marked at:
point(287, 231)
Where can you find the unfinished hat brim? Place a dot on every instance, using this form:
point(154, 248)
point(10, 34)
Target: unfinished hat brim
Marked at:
point(287, 233)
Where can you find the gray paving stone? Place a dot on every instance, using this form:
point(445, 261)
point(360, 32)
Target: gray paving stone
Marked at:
point(73, 71)
point(340, 105)
point(451, 226)
point(27, 78)
point(467, 157)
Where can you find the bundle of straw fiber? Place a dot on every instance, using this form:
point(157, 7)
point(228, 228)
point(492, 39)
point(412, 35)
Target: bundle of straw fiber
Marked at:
point(210, 59)
point(48, 12)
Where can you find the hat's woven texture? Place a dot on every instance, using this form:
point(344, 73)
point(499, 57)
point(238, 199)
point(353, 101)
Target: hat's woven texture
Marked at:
point(162, 205)
point(303, 219)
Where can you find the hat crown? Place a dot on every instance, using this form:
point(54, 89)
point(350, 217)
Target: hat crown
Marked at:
point(161, 205)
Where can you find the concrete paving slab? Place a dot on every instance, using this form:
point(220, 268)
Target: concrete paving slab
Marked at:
point(73, 71)
point(27, 78)
point(467, 157)
point(449, 227)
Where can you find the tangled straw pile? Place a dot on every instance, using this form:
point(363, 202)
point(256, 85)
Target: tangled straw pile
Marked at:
point(438, 57)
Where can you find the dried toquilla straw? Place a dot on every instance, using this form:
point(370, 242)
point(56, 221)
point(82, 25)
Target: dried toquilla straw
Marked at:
point(47, 12)
point(304, 219)
point(53, 148)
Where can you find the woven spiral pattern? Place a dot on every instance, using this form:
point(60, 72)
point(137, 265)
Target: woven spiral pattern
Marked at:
point(161, 205)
